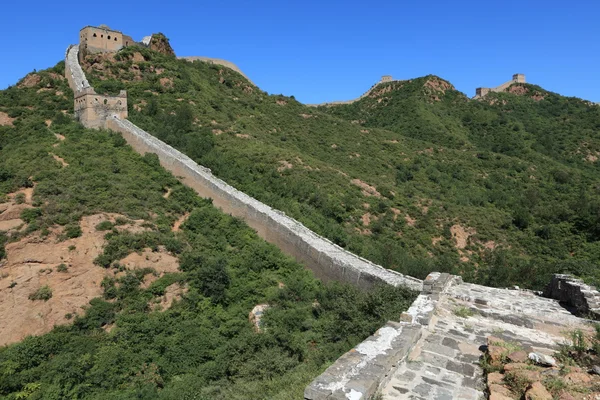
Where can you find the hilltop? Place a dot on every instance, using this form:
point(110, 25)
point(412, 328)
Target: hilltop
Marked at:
point(415, 176)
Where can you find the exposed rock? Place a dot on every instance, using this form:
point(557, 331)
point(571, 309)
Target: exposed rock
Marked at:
point(495, 378)
point(514, 366)
point(527, 375)
point(537, 391)
point(542, 359)
point(5, 120)
point(577, 378)
point(367, 190)
point(565, 396)
point(160, 43)
point(500, 392)
point(518, 356)
point(30, 80)
point(496, 354)
point(596, 369)
point(256, 315)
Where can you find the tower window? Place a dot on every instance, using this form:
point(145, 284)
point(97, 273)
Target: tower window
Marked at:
point(95, 35)
point(108, 37)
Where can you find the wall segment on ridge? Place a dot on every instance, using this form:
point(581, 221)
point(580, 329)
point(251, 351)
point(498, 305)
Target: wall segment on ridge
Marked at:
point(327, 260)
point(91, 109)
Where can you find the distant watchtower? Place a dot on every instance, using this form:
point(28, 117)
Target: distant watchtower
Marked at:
point(386, 78)
point(519, 78)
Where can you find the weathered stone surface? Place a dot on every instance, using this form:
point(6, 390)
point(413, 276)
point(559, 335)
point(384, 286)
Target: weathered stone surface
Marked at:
point(537, 391)
point(575, 293)
point(495, 378)
point(542, 359)
point(496, 354)
point(577, 378)
point(513, 366)
point(526, 375)
point(500, 391)
point(518, 356)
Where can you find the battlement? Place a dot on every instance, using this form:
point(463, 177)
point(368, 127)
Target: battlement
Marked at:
point(482, 92)
point(93, 109)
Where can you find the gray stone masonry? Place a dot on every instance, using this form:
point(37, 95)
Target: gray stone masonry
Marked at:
point(73, 72)
point(574, 293)
point(444, 363)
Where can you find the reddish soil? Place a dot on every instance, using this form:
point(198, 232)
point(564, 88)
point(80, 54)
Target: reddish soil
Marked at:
point(5, 120)
point(367, 190)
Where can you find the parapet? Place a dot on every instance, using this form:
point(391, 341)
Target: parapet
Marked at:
point(583, 299)
point(516, 78)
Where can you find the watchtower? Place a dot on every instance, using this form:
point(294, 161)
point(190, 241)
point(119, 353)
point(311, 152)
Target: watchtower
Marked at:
point(519, 78)
point(386, 78)
point(93, 109)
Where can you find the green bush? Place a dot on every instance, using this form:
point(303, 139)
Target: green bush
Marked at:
point(104, 226)
point(43, 293)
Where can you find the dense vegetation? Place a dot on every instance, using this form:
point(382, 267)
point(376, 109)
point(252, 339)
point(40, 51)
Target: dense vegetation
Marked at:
point(203, 347)
point(503, 191)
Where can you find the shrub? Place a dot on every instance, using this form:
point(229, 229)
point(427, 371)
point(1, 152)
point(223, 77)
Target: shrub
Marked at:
point(43, 293)
point(73, 231)
point(104, 226)
point(30, 214)
point(62, 268)
point(20, 198)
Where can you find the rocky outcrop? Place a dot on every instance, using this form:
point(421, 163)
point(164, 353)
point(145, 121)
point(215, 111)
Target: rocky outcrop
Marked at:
point(160, 43)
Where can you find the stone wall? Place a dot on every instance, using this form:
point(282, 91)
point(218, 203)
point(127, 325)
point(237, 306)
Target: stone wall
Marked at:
point(327, 260)
point(516, 78)
point(583, 299)
point(217, 61)
point(73, 72)
point(384, 79)
point(91, 109)
point(364, 370)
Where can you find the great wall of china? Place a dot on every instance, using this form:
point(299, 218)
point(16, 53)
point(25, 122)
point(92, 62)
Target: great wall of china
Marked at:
point(384, 79)
point(431, 352)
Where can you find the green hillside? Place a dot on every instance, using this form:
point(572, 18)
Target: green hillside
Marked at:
point(121, 346)
point(416, 176)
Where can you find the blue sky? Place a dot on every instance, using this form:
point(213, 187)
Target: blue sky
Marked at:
point(335, 50)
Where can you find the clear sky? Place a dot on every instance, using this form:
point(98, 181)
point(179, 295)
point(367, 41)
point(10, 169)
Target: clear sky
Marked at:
point(335, 50)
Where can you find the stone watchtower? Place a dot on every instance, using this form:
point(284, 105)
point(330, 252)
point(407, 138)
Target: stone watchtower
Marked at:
point(102, 39)
point(519, 78)
point(93, 109)
point(386, 78)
